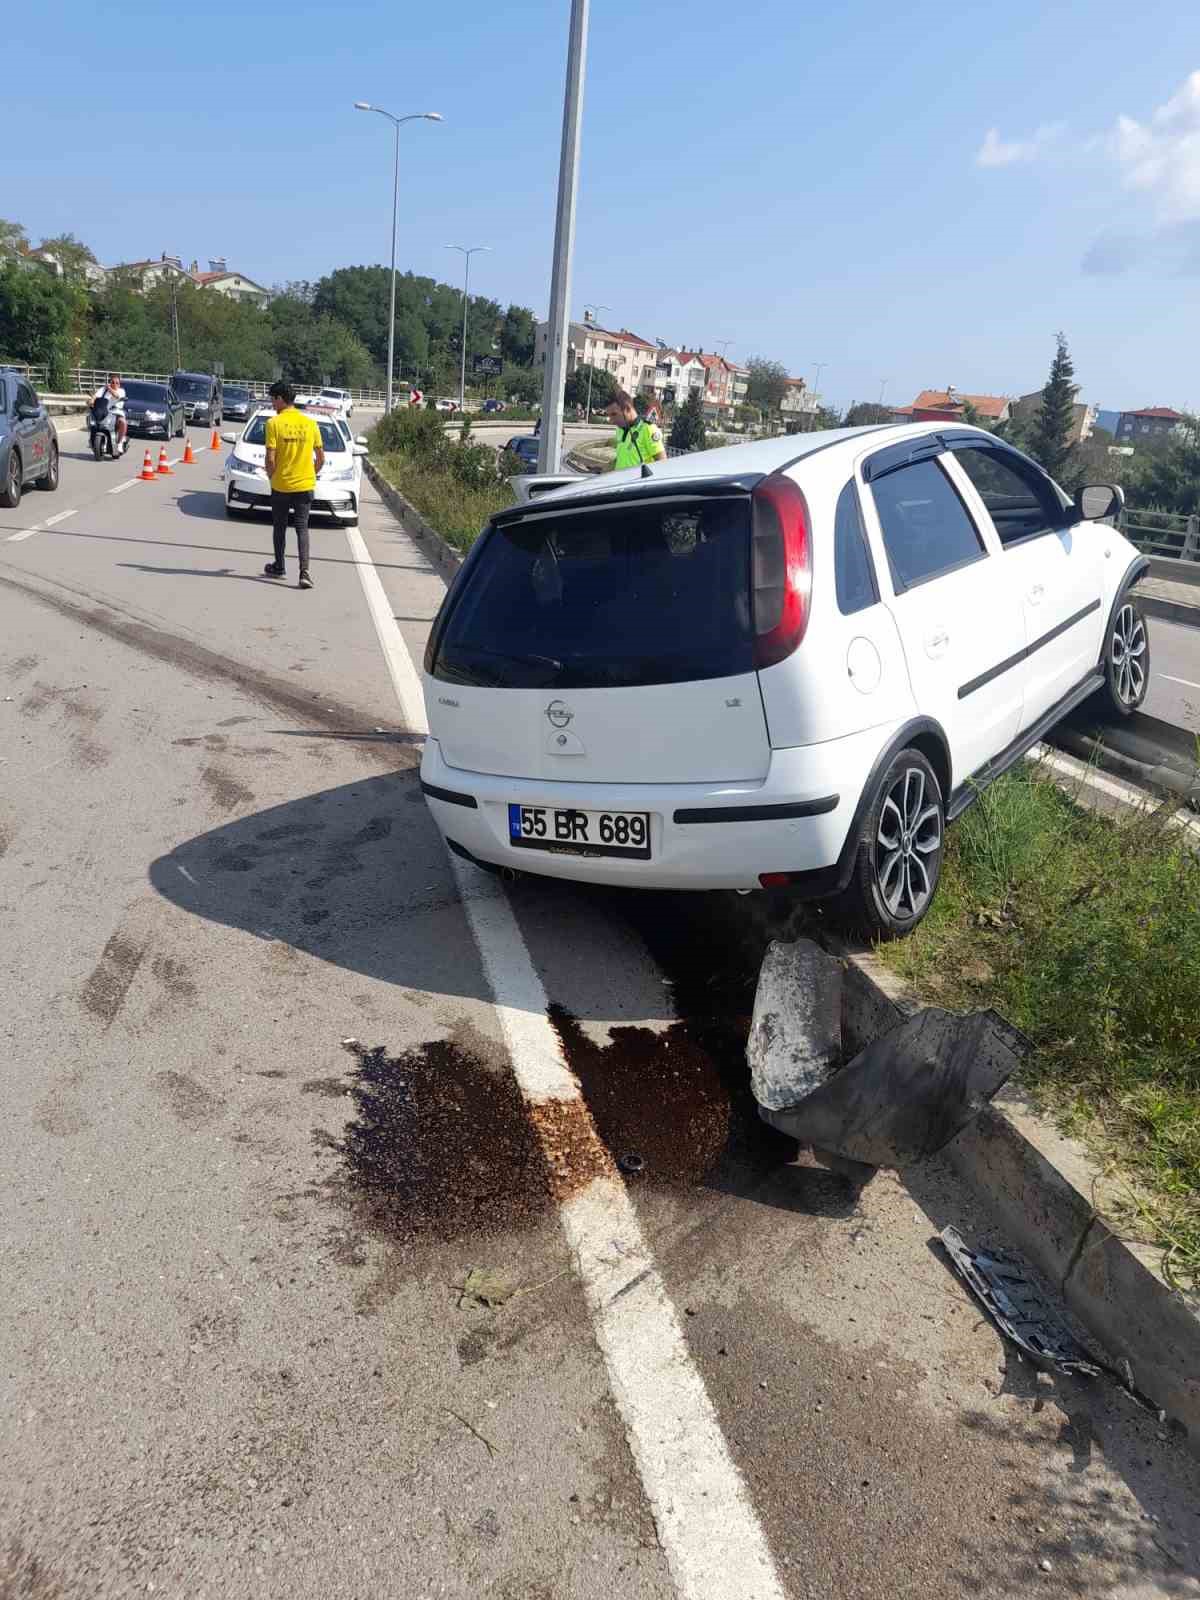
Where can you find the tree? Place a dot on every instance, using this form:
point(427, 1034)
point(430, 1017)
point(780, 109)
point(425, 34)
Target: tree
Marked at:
point(688, 431)
point(603, 387)
point(1050, 441)
point(14, 241)
point(40, 319)
point(72, 255)
point(767, 383)
point(865, 412)
point(517, 336)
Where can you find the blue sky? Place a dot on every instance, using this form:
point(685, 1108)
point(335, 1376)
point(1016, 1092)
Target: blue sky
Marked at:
point(905, 192)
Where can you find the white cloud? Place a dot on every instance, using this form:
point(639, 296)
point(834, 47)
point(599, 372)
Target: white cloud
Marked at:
point(998, 152)
point(1161, 157)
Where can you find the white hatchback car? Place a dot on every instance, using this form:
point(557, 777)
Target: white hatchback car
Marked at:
point(339, 484)
point(784, 663)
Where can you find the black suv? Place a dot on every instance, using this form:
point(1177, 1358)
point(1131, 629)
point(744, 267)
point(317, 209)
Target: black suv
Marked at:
point(202, 397)
point(28, 440)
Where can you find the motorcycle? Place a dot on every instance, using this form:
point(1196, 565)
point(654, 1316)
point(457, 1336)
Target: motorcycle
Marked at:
point(102, 435)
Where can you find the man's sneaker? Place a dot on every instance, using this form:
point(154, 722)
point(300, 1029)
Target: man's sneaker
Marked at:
point(272, 570)
point(305, 581)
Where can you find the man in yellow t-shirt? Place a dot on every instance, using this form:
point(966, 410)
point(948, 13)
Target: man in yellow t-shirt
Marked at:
point(294, 457)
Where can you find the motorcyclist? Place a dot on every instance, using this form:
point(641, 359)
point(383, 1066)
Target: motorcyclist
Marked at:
point(114, 393)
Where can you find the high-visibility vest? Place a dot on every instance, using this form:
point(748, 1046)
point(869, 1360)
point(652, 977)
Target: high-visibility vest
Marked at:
point(641, 441)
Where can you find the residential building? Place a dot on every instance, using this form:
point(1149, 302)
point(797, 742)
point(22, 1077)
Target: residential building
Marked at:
point(948, 405)
point(741, 385)
point(1152, 422)
point(798, 399)
point(1082, 422)
point(94, 274)
point(717, 381)
point(632, 360)
point(148, 273)
point(234, 286)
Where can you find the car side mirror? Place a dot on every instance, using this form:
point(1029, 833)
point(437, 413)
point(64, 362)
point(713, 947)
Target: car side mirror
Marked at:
point(359, 449)
point(27, 413)
point(229, 438)
point(362, 439)
point(1097, 502)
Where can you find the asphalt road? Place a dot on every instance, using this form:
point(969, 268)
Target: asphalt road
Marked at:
point(1174, 674)
point(261, 1123)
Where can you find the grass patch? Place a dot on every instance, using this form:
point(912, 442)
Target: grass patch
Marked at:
point(457, 511)
point(1085, 932)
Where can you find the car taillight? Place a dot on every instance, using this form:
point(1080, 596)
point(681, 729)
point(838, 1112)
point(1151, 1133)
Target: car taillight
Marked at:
point(782, 568)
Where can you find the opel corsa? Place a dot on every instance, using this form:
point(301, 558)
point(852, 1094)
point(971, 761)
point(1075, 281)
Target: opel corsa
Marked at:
point(789, 663)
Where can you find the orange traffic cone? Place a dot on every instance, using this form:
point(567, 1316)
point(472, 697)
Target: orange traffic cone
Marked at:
point(189, 459)
point(163, 466)
point(216, 441)
point(147, 472)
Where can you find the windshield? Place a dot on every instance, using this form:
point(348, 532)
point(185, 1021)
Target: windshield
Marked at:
point(333, 394)
point(237, 394)
point(650, 593)
point(331, 439)
point(146, 391)
point(193, 388)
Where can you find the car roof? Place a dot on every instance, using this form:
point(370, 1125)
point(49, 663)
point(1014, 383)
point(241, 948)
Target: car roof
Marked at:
point(748, 462)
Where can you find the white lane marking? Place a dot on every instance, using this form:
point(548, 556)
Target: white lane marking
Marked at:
point(1186, 682)
point(40, 527)
point(714, 1544)
point(128, 484)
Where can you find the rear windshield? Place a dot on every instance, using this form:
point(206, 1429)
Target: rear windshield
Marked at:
point(145, 391)
point(651, 593)
point(233, 393)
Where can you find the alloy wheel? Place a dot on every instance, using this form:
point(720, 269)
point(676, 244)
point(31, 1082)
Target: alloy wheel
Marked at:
point(1128, 652)
point(908, 836)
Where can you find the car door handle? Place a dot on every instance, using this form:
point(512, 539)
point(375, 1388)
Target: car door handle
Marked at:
point(937, 641)
point(1037, 594)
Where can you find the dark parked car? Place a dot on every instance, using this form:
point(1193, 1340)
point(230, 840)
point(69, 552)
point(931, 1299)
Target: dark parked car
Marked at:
point(201, 394)
point(493, 405)
point(28, 440)
point(238, 403)
point(525, 446)
point(153, 409)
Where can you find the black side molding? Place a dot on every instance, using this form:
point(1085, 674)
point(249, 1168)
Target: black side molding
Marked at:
point(1024, 654)
point(452, 797)
point(769, 813)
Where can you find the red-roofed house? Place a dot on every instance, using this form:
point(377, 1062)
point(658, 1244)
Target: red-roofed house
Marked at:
point(1152, 422)
point(719, 377)
point(947, 405)
point(234, 285)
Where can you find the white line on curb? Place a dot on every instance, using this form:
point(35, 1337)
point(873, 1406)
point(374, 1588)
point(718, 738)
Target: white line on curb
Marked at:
point(714, 1544)
point(39, 527)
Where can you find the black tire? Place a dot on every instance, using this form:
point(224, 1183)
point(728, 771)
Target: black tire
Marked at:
point(181, 429)
point(1126, 658)
point(49, 479)
point(10, 493)
point(98, 446)
point(898, 851)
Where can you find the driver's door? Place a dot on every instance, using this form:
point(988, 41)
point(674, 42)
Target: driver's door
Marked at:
point(33, 431)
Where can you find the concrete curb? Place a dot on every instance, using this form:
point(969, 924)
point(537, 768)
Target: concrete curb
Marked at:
point(1155, 755)
point(443, 555)
point(1170, 610)
point(1046, 1192)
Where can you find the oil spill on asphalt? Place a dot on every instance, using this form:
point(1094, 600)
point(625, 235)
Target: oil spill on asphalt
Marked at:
point(679, 1098)
point(440, 1146)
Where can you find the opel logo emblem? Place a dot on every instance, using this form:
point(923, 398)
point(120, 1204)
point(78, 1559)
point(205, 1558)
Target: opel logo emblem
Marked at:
point(559, 713)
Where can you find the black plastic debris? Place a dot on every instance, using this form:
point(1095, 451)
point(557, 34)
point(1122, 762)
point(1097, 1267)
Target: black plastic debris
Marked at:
point(1002, 1286)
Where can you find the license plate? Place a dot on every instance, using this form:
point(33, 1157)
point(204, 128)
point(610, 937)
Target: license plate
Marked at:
point(581, 833)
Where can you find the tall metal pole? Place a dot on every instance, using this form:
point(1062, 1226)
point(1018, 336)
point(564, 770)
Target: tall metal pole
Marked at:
point(468, 253)
point(591, 364)
point(559, 321)
point(416, 116)
point(387, 398)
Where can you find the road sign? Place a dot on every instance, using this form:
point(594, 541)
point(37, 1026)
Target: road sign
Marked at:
point(487, 366)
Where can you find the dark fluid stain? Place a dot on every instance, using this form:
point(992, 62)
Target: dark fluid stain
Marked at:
point(173, 975)
point(228, 793)
point(329, 1088)
point(4, 845)
point(271, 1072)
point(191, 1102)
point(107, 985)
point(23, 1573)
point(677, 1100)
point(440, 1146)
point(376, 828)
point(81, 709)
point(23, 665)
point(36, 701)
point(87, 754)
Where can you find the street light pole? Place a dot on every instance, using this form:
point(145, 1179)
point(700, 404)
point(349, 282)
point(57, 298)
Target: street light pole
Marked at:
point(883, 383)
point(592, 364)
point(468, 253)
point(818, 368)
point(416, 116)
point(559, 318)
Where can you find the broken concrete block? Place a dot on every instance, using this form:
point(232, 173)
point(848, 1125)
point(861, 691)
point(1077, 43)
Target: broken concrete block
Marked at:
point(795, 1039)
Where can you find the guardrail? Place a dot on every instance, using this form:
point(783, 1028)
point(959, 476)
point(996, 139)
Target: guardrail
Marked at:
point(1162, 533)
point(88, 379)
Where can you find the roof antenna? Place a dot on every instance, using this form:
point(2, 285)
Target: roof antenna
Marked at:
point(646, 473)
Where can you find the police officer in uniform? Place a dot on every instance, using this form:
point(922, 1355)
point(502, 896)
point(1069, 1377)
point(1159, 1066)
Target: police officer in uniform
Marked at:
point(637, 441)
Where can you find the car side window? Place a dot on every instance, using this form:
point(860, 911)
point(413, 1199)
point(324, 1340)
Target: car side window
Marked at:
point(3, 395)
point(25, 395)
point(926, 529)
point(1020, 505)
point(853, 569)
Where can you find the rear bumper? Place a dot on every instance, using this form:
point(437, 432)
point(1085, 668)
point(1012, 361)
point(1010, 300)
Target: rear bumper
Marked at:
point(702, 836)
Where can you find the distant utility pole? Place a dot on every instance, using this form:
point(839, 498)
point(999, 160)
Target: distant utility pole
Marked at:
point(467, 253)
point(883, 383)
point(818, 368)
point(559, 321)
point(175, 319)
point(591, 364)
